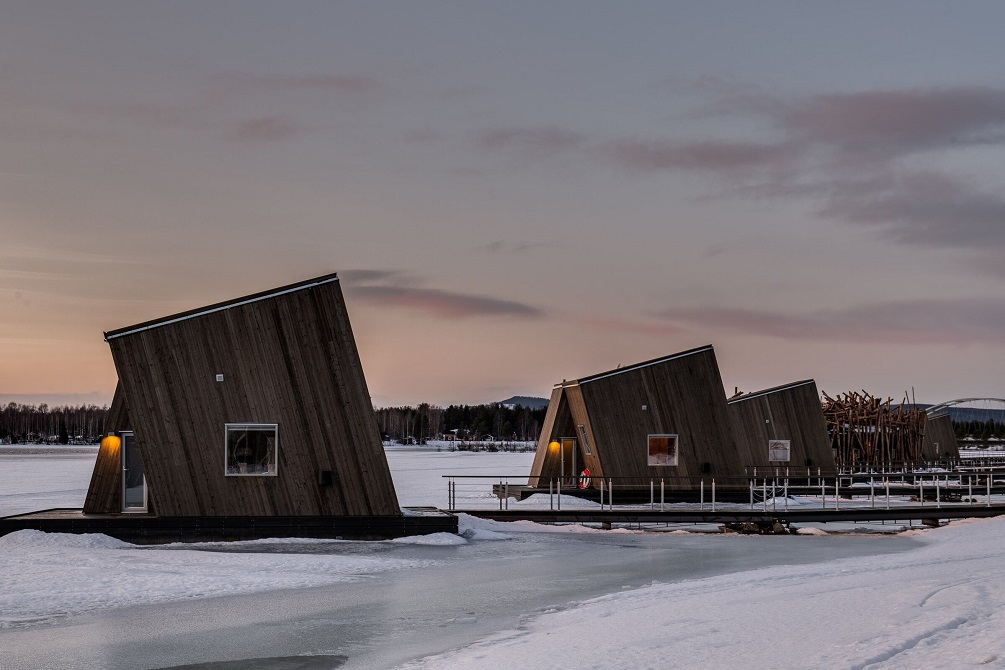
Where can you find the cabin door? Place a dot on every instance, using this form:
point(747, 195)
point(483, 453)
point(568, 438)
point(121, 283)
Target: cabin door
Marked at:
point(134, 483)
point(569, 462)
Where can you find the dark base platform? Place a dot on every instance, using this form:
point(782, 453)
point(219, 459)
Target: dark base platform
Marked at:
point(148, 529)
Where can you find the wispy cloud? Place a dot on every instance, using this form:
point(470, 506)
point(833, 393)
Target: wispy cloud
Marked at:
point(263, 129)
point(531, 140)
point(445, 304)
point(503, 246)
point(390, 288)
point(855, 155)
point(237, 83)
point(964, 321)
point(660, 155)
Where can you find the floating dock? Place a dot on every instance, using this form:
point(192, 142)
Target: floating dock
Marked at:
point(149, 529)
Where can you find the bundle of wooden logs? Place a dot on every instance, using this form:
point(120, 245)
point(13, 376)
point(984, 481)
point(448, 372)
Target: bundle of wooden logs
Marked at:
point(867, 432)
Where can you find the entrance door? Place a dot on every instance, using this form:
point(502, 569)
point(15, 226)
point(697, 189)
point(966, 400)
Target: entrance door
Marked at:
point(569, 461)
point(134, 483)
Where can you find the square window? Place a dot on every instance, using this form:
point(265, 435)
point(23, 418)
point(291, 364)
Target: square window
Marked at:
point(663, 450)
point(252, 449)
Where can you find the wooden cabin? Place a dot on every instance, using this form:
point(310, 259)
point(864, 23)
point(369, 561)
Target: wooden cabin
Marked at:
point(660, 419)
point(782, 427)
point(940, 442)
point(254, 407)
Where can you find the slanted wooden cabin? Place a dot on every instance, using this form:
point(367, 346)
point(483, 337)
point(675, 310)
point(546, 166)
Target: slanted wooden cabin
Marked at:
point(783, 427)
point(940, 442)
point(254, 407)
point(665, 418)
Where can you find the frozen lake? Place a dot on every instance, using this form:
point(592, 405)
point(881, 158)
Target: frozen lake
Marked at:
point(491, 598)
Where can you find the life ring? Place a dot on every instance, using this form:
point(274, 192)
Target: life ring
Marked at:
point(584, 479)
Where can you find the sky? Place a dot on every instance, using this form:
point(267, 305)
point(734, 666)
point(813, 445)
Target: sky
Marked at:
point(515, 193)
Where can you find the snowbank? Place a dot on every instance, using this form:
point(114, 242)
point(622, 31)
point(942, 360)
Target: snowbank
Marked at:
point(940, 605)
point(47, 575)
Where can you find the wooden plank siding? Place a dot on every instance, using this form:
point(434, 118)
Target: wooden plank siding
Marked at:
point(680, 394)
point(791, 412)
point(287, 357)
point(104, 494)
point(940, 442)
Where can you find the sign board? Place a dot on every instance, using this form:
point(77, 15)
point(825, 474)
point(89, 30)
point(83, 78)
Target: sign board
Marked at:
point(663, 450)
point(778, 451)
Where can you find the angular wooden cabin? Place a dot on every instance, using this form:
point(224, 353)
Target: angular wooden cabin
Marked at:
point(940, 440)
point(664, 418)
point(252, 407)
point(783, 427)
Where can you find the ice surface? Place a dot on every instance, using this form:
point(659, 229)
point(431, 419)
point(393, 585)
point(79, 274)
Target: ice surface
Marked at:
point(941, 605)
point(47, 575)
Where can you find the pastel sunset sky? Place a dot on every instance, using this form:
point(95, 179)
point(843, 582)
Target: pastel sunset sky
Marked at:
point(514, 193)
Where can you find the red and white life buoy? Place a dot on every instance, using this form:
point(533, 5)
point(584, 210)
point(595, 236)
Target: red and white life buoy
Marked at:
point(584, 479)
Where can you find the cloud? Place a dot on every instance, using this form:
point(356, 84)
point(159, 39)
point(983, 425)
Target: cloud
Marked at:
point(899, 121)
point(443, 304)
point(368, 276)
point(237, 83)
point(921, 208)
point(391, 288)
point(660, 155)
point(263, 129)
point(965, 321)
point(501, 246)
point(536, 139)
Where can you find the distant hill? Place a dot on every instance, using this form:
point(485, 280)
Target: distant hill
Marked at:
point(525, 401)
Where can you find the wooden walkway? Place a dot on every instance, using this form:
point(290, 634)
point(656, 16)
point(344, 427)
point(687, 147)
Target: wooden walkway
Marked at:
point(927, 512)
point(148, 529)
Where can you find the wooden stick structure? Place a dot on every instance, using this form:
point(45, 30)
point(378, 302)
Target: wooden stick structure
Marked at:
point(868, 432)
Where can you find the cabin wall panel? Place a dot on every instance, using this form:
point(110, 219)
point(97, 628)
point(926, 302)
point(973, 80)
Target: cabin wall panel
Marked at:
point(288, 359)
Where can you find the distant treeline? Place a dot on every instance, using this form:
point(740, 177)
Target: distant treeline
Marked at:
point(56, 425)
point(462, 422)
point(980, 430)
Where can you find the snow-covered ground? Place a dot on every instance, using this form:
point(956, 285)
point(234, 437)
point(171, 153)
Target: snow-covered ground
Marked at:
point(519, 594)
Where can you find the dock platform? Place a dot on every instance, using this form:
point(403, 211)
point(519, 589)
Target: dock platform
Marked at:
point(150, 529)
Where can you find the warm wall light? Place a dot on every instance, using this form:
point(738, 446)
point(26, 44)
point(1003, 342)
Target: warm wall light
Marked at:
point(111, 444)
point(554, 446)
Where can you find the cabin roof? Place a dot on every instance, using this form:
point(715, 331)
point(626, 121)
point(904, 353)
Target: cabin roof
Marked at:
point(636, 366)
point(775, 389)
point(220, 306)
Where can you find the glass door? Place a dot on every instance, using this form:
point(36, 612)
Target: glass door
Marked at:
point(134, 484)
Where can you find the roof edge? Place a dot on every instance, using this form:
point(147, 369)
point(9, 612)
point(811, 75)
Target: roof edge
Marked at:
point(220, 306)
point(773, 389)
point(643, 364)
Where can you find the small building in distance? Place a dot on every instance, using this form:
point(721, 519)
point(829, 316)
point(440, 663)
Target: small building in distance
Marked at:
point(940, 442)
point(665, 418)
point(254, 407)
point(783, 427)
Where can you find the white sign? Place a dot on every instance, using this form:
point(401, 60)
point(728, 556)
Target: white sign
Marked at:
point(778, 451)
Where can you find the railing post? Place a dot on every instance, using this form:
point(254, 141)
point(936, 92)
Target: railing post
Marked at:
point(970, 489)
point(872, 491)
point(989, 489)
point(506, 493)
point(837, 492)
point(764, 493)
point(786, 493)
point(888, 493)
point(750, 483)
point(823, 492)
point(559, 487)
point(921, 491)
point(938, 493)
point(652, 494)
point(551, 494)
point(662, 495)
point(610, 494)
point(713, 494)
point(601, 494)
point(500, 495)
